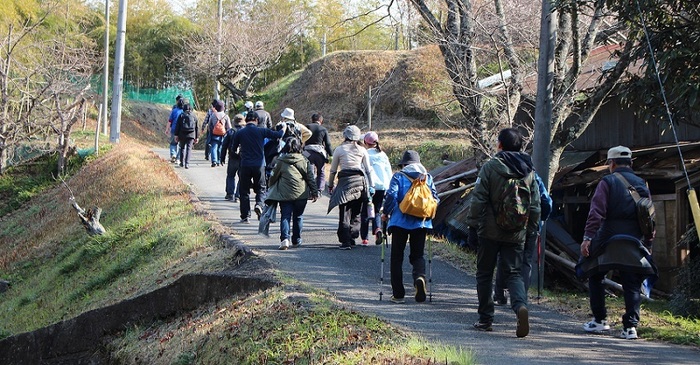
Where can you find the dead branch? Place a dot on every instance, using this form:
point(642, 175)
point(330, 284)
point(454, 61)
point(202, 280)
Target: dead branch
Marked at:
point(89, 218)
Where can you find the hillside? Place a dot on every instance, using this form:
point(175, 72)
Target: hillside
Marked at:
point(410, 89)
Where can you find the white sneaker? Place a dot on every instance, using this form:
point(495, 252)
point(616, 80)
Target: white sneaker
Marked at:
point(629, 333)
point(596, 327)
point(284, 245)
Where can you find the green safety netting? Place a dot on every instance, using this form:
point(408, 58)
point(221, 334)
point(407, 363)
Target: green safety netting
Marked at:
point(157, 96)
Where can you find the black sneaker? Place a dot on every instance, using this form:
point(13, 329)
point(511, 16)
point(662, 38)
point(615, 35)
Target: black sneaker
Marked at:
point(345, 246)
point(245, 221)
point(228, 197)
point(500, 301)
point(483, 326)
point(258, 211)
point(419, 284)
point(397, 300)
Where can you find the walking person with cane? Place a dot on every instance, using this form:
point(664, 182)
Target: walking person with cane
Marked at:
point(407, 228)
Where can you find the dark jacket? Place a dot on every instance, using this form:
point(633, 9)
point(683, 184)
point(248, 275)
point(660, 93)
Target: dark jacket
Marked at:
point(492, 177)
point(250, 139)
point(292, 179)
point(181, 133)
point(227, 147)
point(319, 136)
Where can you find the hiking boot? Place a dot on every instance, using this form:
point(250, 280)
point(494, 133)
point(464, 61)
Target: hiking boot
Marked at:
point(258, 211)
point(397, 300)
point(378, 237)
point(245, 221)
point(419, 284)
point(213, 164)
point(345, 246)
point(365, 242)
point(483, 326)
point(284, 245)
point(523, 327)
point(228, 197)
point(596, 327)
point(629, 333)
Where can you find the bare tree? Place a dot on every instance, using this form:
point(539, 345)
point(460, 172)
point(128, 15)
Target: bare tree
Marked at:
point(249, 45)
point(42, 81)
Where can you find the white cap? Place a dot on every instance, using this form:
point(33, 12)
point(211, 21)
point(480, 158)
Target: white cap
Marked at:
point(259, 104)
point(619, 152)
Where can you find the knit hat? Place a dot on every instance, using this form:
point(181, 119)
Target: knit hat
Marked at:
point(409, 157)
point(371, 138)
point(352, 133)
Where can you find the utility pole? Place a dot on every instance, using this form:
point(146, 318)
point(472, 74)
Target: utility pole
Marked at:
point(219, 38)
point(323, 44)
point(543, 116)
point(118, 77)
point(105, 79)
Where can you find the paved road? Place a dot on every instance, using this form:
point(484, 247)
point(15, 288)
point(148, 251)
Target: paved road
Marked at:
point(353, 277)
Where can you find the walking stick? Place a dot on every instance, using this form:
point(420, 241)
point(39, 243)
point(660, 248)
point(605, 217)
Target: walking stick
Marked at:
point(539, 267)
point(381, 274)
point(430, 270)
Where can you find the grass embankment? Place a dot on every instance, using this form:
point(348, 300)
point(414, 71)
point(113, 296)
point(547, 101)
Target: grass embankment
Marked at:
point(657, 321)
point(155, 235)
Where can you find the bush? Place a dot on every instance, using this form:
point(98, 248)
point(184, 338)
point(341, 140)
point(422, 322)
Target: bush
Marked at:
point(685, 300)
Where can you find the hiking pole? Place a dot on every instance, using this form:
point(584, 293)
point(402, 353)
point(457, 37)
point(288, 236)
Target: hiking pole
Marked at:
point(381, 272)
point(430, 270)
point(539, 270)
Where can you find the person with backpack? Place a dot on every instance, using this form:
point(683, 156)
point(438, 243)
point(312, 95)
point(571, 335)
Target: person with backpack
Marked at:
point(219, 123)
point(504, 199)
point(318, 149)
point(408, 226)
point(529, 250)
point(381, 168)
point(234, 159)
point(187, 134)
point(614, 217)
point(355, 185)
point(170, 130)
point(292, 183)
point(250, 139)
point(205, 129)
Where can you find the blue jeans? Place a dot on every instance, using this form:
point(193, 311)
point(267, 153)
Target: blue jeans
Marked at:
point(174, 147)
point(215, 149)
point(511, 255)
point(292, 214)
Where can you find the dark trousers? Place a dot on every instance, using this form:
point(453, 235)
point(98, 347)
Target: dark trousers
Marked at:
point(247, 174)
point(292, 214)
point(377, 200)
point(631, 286)
point(511, 260)
point(186, 150)
point(416, 240)
point(318, 161)
point(231, 172)
point(349, 221)
point(529, 256)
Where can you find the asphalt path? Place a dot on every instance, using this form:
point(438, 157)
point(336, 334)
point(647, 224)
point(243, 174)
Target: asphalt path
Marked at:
point(353, 277)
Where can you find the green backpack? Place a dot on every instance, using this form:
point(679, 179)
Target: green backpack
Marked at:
point(513, 206)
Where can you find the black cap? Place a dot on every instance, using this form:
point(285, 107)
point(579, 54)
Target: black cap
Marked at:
point(409, 157)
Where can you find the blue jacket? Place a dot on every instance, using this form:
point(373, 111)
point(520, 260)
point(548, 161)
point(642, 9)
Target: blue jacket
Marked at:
point(251, 141)
point(174, 114)
point(398, 187)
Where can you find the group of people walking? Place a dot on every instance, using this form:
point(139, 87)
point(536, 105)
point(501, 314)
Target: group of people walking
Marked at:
point(284, 165)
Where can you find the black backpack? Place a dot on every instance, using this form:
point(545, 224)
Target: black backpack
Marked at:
point(186, 123)
point(646, 214)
